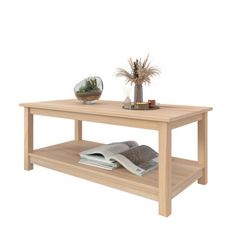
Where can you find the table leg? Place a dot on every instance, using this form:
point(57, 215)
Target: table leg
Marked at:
point(202, 147)
point(28, 139)
point(78, 130)
point(165, 170)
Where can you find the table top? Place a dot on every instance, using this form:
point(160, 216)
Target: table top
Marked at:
point(166, 113)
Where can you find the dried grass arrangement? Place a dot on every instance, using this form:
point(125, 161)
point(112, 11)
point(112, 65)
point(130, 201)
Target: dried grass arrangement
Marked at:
point(141, 73)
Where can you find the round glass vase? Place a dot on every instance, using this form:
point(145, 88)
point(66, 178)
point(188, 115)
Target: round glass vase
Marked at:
point(89, 90)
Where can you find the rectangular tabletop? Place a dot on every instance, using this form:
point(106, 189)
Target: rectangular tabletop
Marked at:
point(166, 113)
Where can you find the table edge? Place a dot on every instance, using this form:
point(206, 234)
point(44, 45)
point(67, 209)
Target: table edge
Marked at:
point(39, 105)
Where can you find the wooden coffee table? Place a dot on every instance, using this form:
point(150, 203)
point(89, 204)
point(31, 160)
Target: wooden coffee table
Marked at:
point(173, 175)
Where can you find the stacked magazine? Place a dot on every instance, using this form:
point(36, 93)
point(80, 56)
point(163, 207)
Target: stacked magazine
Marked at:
point(138, 159)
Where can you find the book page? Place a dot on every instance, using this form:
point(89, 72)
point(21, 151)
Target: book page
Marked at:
point(139, 154)
point(108, 150)
point(138, 160)
point(137, 170)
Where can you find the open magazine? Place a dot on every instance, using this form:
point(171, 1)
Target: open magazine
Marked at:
point(138, 159)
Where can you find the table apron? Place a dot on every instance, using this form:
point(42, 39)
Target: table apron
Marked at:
point(145, 124)
point(185, 121)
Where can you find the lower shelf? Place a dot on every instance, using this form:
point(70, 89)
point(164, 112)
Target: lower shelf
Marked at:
point(64, 158)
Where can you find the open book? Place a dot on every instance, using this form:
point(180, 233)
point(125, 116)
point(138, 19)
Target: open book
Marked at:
point(137, 159)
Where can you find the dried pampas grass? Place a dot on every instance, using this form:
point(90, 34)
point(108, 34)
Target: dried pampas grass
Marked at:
point(141, 72)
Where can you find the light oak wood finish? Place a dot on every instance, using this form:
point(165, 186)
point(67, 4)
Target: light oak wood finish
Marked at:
point(173, 175)
point(78, 130)
point(165, 170)
point(202, 148)
point(64, 158)
point(167, 113)
point(28, 138)
point(153, 125)
point(185, 121)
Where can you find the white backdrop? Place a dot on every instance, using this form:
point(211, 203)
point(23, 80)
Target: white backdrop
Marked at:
point(46, 47)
